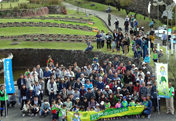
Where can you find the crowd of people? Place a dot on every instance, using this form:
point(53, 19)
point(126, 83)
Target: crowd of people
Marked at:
point(93, 87)
point(136, 38)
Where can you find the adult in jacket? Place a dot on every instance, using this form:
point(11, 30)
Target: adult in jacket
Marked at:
point(148, 109)
point(30, 93)
point(52, 89)
point(89, 94)
point(20, 82)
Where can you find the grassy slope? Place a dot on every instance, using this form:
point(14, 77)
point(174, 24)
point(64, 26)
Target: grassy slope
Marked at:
point(53, 30)
point(7, 5)
point(122, 13)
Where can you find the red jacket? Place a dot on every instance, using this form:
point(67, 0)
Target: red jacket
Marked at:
point(136, 88)
point(123, 69)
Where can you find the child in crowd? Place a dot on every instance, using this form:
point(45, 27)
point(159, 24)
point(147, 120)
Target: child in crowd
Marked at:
point(107, 104)
point(97, 109)
point(124, 102)
point(102, 106)
point(34, 110)
point(54, 108)
point(95, 59)
point(63, 113)
point(155, 56)
point(138, 104)
point(132, 103)
point(118, 104)
point(147, 59)
point(76, 117)
point(118, 47)
point(138, 51)
point(26, 73)
point(135, 96)
point(113, 45)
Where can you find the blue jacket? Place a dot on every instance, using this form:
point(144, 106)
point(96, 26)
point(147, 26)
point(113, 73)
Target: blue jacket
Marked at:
point(47, 74)
point(110, 76)
point(100, 85)
point(45, 106)
point(19, 83)
point(77, 75)
point(145, 44)
point(28, 94)
point(136, 23)
point(88, 86)
point(147, 59)
point(149, 108)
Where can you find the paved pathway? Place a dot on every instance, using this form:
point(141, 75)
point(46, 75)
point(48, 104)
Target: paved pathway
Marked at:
point(102, 15)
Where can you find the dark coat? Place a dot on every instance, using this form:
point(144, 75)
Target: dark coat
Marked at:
point(19, 83)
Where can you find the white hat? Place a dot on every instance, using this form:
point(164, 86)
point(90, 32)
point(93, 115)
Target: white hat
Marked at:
point(77, 98)
point(97, 104)
point(101, 69)
point(134, 19)
point(135, 68)
point(148, 72)
point(143, 63)
point(148, 82)
point(109, 62)
point(118, 87)
point(120, 95)
point(107, 86)
point(133, 64)
point(130, 83)
point(161, 49)
point(31, 88)
point(36, 81)
point(102, 103)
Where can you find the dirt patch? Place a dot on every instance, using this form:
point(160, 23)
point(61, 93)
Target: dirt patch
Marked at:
point(47, 24)
point(50, 38)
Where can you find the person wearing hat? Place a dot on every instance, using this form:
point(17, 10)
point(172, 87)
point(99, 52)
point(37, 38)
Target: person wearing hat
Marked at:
point(147, 76)
point(77, 103)
point(133, 67)
point(30, 93)
point(130, 88)
point(107, 91)
point(89, 46)
point(97, 109)
point(126, 24)
point(20, 82)
point(102, 106)
point(124, 103)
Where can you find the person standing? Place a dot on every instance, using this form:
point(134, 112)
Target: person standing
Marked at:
point(154, 96)
point(109, 38)
point(103, 38)
point(164, 38)
point(109, 19)
point(132, 21)
point(99, 37)
point(52, 89)
point(126, 24)
point(170, 101)
point(20, 82)
point(152, 37)
point(116, 23)
point(3, 99)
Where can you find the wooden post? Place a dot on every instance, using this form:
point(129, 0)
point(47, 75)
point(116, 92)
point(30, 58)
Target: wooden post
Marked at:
point(10, 5)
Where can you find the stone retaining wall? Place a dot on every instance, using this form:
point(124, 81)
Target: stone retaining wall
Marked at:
point(28, 58)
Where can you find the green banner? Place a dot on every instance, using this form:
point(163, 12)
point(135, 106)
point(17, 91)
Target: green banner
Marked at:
point(162, 80)
point(108, 113)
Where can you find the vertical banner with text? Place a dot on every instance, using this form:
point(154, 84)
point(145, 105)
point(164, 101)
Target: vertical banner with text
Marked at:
point(162, 80)
point(10, 89)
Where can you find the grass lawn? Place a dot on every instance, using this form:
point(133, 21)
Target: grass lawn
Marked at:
point(101, 7)
point(39, 30)
point(13, 4)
